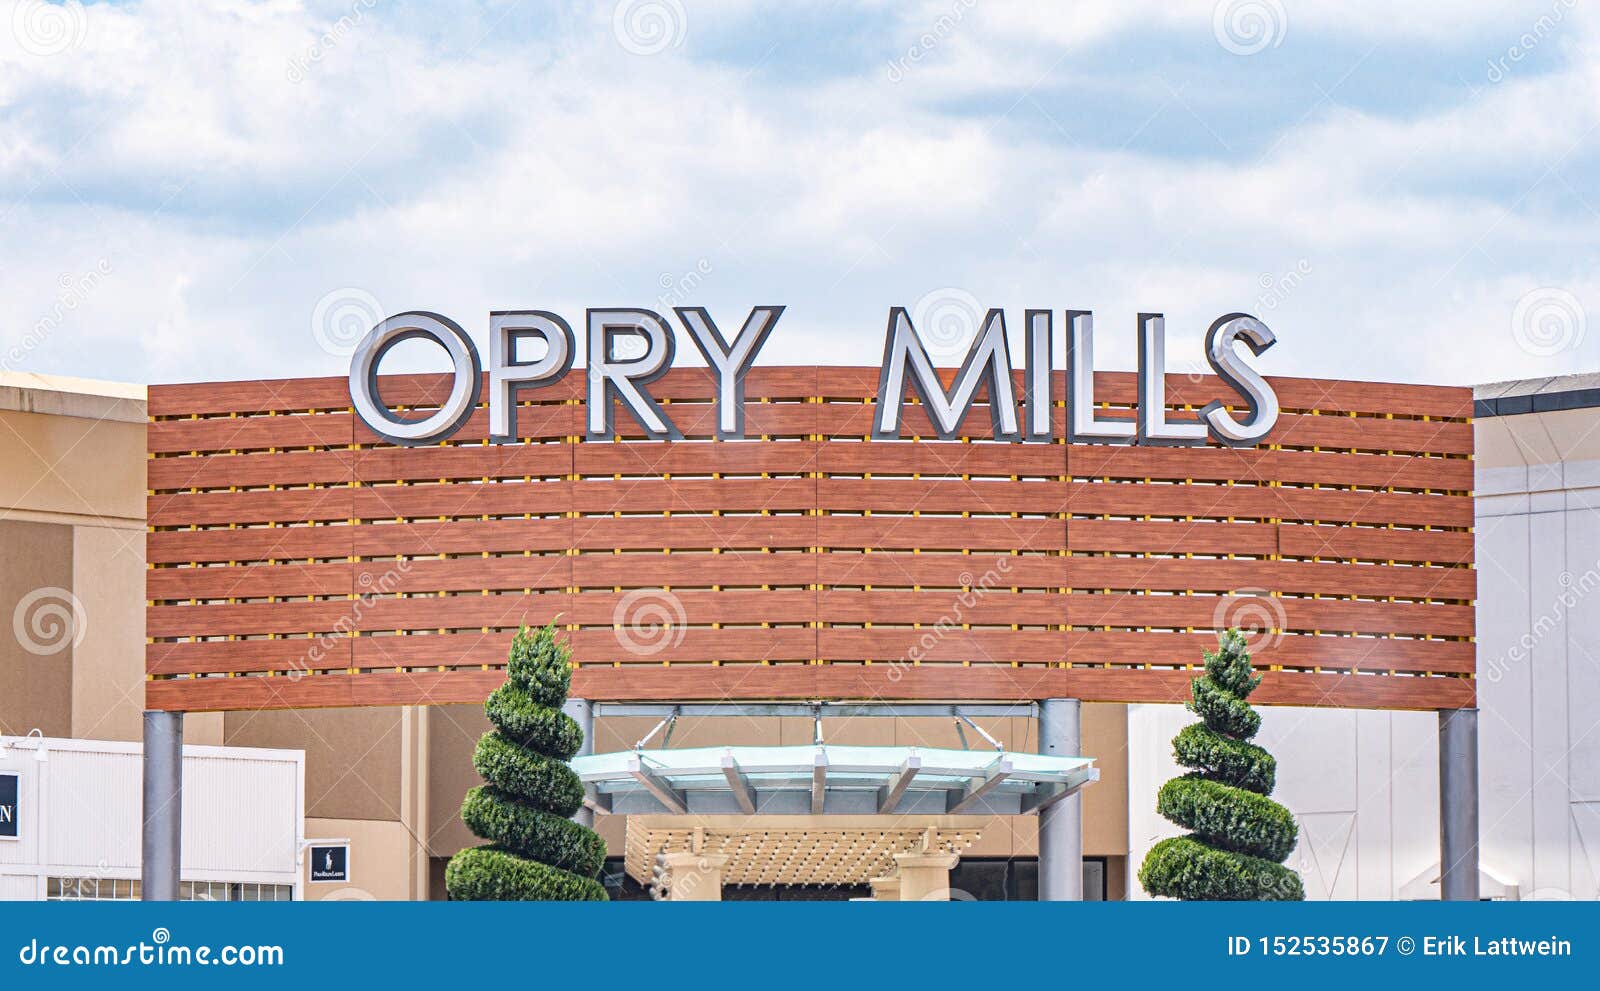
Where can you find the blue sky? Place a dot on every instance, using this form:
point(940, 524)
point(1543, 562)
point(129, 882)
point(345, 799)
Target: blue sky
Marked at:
point(195, 190)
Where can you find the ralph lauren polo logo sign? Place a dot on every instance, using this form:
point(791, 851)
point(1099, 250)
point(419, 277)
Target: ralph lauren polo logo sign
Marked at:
point(330, 863)
point(8, 806)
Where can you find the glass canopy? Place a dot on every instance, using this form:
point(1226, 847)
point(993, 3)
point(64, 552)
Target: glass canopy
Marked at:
point(829, 780)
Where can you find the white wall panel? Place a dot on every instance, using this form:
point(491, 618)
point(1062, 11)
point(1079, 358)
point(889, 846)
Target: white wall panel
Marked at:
point(82, 813)
point(1363, 787)
point(1538, 553)
point(239, 815)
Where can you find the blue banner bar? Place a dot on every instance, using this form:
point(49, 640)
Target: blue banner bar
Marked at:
point(824, 946)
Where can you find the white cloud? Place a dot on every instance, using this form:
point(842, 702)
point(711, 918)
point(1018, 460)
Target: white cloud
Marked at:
point(236, 164)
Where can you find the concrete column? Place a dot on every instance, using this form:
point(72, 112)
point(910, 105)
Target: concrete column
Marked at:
point(695, 877)
point(1061, 825)
point(582, 712)
point(886, 888)
point(1458, 805)
point(163, 807)
point(924, 877)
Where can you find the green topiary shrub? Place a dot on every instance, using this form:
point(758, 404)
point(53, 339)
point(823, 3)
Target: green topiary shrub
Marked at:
point(1238, 836)
point(536, 852)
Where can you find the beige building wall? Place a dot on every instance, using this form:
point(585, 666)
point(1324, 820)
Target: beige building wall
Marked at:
point(72, 507)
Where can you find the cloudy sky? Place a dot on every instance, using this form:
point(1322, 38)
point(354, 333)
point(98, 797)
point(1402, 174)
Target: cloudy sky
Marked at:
point(196, 190)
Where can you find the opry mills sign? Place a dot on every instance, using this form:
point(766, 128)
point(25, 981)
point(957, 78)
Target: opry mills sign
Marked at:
point(905, 361)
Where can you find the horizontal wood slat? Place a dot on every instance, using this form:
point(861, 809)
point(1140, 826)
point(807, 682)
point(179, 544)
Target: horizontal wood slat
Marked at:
point(297, 560)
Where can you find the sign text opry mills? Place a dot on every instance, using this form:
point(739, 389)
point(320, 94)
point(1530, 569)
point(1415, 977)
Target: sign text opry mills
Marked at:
point(905, 361)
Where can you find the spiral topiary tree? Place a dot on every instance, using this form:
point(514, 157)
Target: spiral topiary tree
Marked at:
point(1238, 837)
point(535, 851)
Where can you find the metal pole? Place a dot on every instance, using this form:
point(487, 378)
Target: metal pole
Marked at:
point(1061, 824)
point(163, 807)
point(1458, 805)
point(582, 711)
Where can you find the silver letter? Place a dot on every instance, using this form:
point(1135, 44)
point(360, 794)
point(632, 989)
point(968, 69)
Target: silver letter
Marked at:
point(1041, 361)
point(989, 360)
point(1154, 428)
point(607, 373)
point(507, 374)
point(729, 362)
point(463, 391)
point(1082, 425)
point(1244, 380)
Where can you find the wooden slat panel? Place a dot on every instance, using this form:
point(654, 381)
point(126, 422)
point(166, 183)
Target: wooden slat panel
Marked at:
point(942, 496)
point(423, 500)
point(1213, 612)
point(694, 533)
point(802, 681)
point(1142, 648)
point(943, 570)
point(1301, 467)
point(958, 646)
point(988, 608)
point(736, 568)
point(251, 433)
point(1172, 537)
point(941, 533)
point(582, 533)
point(249, 544)
point(211, 508)
point(698, 646)
point(694, 495)
point(942, 459)
point(296, 655)
point(209, 471)
point(433, 464)
point(1443, 547)
point(462, 537)
point(249, 582)
point(1126, 498)
point(250, 396)
point(694, 457)
point(1289, 576)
